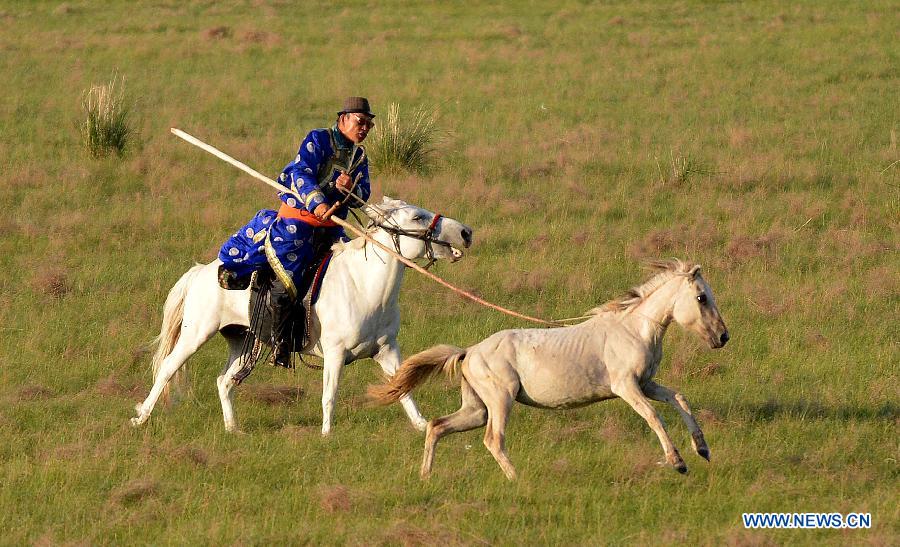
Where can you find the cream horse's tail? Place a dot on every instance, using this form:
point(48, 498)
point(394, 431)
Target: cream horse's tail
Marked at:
point(173, 314)
point(417, 369)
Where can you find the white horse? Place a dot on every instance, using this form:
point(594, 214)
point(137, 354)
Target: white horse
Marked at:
point(616, 353)
point(356, 316)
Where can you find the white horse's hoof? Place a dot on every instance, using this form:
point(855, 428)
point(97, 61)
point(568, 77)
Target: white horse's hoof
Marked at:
point(421, 425)
point(141, 416)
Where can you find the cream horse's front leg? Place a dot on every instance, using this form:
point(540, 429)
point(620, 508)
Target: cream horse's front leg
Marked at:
point(679, 403)
point(389, 359)
point(630, 392)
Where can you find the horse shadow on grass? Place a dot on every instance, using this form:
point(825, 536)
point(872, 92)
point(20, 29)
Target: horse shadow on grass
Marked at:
point(772, 409)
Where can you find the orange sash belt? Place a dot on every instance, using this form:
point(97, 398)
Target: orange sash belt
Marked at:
point(286, 211)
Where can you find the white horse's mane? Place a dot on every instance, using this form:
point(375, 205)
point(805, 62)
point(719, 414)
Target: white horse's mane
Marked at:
point(664, 271)
point(383, 211)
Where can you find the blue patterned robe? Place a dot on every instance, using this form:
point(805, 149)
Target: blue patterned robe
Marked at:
point(322, 156)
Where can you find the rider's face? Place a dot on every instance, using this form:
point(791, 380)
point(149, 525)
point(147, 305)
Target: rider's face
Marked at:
point(355, 126)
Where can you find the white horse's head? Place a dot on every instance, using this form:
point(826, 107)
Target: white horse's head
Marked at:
point(695, 309)
point(420, 233)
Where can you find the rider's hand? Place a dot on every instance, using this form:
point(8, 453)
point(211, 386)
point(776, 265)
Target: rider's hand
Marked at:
point(321, 209)
point(343, 182)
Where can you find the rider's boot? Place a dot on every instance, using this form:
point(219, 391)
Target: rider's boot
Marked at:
point(282, 323)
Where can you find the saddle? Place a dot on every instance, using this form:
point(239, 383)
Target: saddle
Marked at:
point(265, 289)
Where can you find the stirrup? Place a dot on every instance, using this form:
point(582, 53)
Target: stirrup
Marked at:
point(281, 356)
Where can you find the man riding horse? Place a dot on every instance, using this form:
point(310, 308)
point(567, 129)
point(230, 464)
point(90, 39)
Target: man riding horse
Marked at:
point(329, 167)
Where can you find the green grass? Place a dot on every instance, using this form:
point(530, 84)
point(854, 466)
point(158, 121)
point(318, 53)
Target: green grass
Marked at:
point(582, 139)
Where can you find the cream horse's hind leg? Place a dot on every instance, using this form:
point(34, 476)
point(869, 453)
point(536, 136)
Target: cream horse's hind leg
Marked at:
point(497, 393)
point(679, 403)
point(631, 393)
point(191, 337)
point(471, 414)
point(389, 359)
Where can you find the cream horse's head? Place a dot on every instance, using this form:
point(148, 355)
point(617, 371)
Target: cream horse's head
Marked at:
point(695, 309)
point(420, 233)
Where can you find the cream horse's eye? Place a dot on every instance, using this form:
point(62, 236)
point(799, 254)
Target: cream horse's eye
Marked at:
point(701, 298)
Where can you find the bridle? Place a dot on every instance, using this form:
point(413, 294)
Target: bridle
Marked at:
point(427, 236)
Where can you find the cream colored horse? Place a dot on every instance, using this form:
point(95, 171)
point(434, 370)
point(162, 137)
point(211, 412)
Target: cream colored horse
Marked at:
point(616, 353)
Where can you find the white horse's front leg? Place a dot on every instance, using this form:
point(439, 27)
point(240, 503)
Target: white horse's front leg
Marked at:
point(331, 374)
point(389, 359)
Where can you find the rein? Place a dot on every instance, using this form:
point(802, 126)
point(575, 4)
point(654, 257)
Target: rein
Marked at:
point(429, 233)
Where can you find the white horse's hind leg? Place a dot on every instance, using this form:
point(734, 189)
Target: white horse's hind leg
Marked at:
point(631, 393)
point(190, 339)
point(331, 375)
point(225, 382)
point(389, 359)
point(678, 402)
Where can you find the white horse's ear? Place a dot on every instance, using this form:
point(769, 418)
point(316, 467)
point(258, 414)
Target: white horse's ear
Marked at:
point(392, 202)
point(695, 271)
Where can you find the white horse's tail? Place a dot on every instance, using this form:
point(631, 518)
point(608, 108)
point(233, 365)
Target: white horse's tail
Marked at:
point(417, 369)
point(173, 314)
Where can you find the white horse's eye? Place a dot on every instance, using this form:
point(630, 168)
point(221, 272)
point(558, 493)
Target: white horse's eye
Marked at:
point(701, 298)
point(418, 217)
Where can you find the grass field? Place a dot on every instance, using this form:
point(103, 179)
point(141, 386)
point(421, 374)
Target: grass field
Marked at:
point(579, 139)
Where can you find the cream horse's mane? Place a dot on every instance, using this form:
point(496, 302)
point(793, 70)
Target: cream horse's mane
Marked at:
point(664, 271)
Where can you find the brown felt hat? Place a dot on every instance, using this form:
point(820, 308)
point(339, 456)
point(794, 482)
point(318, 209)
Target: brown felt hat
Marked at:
point(356, 105)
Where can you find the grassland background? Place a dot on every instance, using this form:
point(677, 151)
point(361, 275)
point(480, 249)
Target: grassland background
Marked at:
point(562, 121)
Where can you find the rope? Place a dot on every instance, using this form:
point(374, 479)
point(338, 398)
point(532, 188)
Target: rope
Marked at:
point(341, 222)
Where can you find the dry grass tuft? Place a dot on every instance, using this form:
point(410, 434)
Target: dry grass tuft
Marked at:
point(134, 491)
point(882, 281)
point(611, 430)
point(53, 282)
point(63, 9)
point(105, 127)
point(739, 136)
point(743, 248)
point(561, 466)
point(568, 432)
point(818, 340)
point(111, 387)
point(707, 417)
point(335, 499)
point(402, 144)
point(35, 393)
point(680, 169)
point(273, 395)
point(217, 33)
point(193, 454)
point(258, 37)
point(535, 280)
point(408, 535)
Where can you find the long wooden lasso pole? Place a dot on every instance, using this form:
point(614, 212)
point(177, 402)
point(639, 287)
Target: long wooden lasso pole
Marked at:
point(341, 222)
